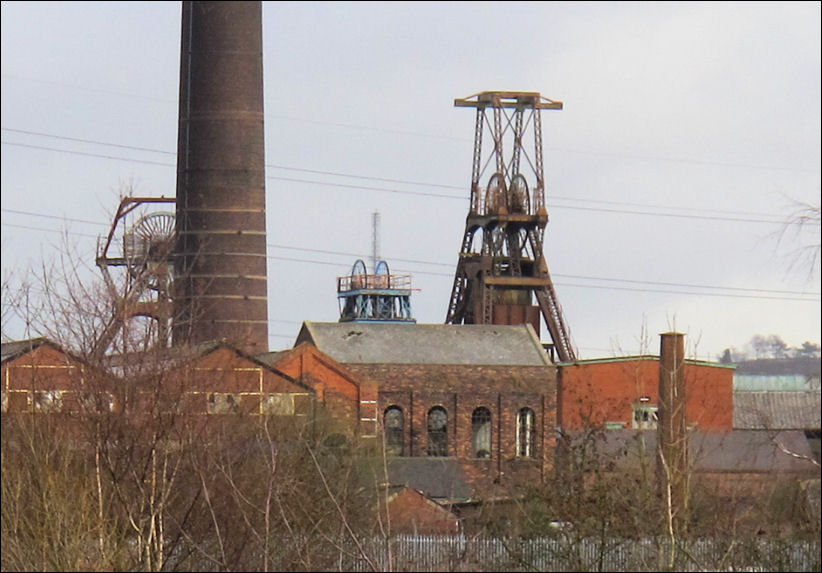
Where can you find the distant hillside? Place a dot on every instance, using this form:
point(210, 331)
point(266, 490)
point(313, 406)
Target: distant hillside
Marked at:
point(804, 365)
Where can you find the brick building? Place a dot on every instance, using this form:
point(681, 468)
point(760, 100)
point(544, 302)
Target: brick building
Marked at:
point(414, 512)
point(623, 393)
point(480, 398)
point(350, 401)
point(465, 412)
point(39, 376)
point(207, 382)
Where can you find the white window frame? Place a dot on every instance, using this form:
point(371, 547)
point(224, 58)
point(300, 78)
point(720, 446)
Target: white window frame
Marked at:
point(437, 436)
point(396, 444)
point(645, 416)
point(88, 403)
point(481, 432)
point(47, 400)
point(526, 420)
point(222, 403)
point(277, 404)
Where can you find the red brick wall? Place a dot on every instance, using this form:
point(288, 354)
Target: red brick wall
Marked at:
point(222, 374)
point(593, 393)
point(460, 390)
point(710, 397)
point(45, 368)
point(192, 387)
point(349, 401)
point(411, 512)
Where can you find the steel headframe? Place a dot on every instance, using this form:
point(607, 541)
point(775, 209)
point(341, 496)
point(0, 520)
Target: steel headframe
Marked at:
point(146, 287)
point(510, 210)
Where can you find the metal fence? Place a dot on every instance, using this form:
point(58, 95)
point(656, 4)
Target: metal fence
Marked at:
point(459, 553)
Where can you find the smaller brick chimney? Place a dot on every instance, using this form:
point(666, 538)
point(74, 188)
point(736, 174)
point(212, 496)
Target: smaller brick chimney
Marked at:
point(672, 439)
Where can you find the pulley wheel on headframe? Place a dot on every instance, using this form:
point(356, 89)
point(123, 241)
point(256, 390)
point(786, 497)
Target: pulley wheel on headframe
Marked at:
point(381, 278)
point(495, 195)
point(358, 268)
point(149, 243)
point(518, 199)
point(358, 275)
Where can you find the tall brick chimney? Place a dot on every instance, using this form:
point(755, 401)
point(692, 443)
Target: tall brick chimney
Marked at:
point(220, 288)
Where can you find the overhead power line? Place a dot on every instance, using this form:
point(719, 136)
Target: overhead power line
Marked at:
point(730, 292)
point(87, 154)
point(372, 178)
point(737, 217)
point(89, 141)
point(620, 155)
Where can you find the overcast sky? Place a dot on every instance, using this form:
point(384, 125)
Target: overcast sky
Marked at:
point(690, 134)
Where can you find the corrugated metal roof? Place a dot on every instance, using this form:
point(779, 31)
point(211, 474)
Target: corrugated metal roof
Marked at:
point(735, 451)
point(381, 343)
point(783, 382)
point(807, 365)
point(753, 450)
point(777, 410)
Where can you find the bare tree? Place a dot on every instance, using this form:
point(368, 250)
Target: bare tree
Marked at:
point(50, 518)
point(803, 227)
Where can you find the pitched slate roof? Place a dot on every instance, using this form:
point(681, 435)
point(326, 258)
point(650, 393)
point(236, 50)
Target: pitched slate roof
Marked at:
point(777, 410)
point(17, 348)
point(271, 356)
point(438, 478)
point(454, 377)
point(386, 343)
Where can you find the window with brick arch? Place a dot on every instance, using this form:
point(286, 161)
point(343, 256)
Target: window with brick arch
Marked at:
point(394, 428)
point(481, 432)
point(526, 432)
point(437, 431)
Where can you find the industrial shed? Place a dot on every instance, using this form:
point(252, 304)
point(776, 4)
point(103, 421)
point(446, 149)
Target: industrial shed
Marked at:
point(778, 410)
point(623, 393)
point(778, 395)
point(40, 376)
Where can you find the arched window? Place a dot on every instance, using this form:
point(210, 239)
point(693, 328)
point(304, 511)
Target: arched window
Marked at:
point(481, 432)
point(394, 428)
point(525, 433)
point(437, 431)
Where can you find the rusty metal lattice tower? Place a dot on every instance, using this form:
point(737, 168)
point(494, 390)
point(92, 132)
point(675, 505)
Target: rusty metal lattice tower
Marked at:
point(499, 276)
point(144, 250)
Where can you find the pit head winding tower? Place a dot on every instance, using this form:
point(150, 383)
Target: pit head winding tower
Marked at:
point(498, 277)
